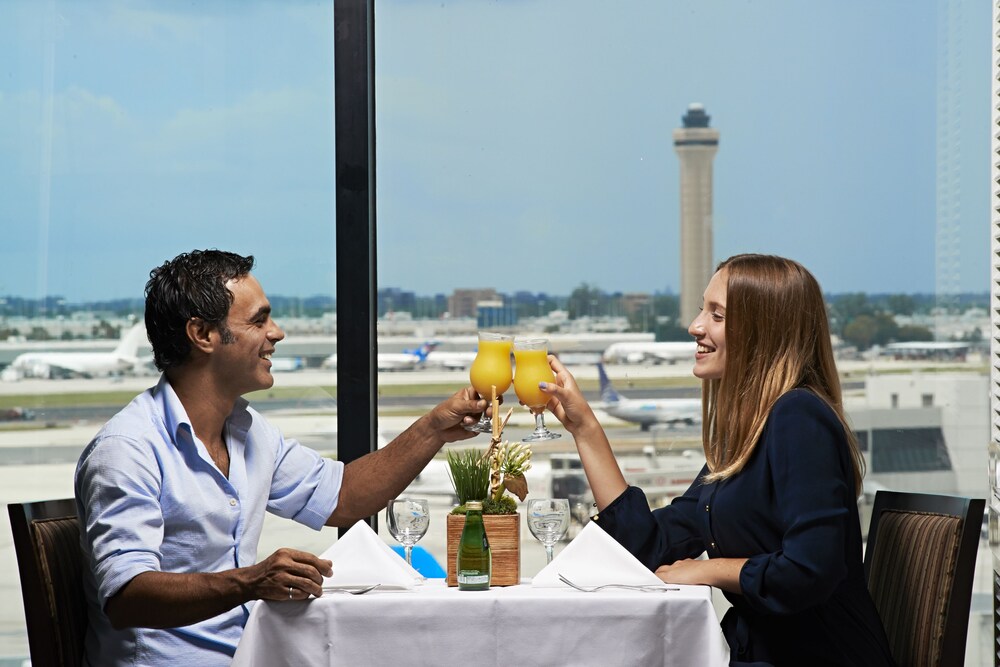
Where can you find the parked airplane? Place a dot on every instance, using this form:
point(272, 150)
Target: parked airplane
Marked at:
point(287, 364)
point(393, 361)
point(451, 360)
point(79, 364)
point(935, 350)
point(661, 476)
point(650, 411)
point(635, 353)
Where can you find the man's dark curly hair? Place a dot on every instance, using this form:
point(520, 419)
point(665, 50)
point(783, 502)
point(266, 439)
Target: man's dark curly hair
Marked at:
point(190, 285)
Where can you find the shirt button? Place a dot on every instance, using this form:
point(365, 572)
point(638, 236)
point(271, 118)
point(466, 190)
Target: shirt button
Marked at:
point(706, 508)
point(713, 545)
point(232, 502)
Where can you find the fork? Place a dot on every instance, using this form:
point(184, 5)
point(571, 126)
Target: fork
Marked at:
point(645, 588)
point(352, 591)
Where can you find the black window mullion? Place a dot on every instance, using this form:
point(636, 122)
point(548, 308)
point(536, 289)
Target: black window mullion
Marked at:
point(354, 105)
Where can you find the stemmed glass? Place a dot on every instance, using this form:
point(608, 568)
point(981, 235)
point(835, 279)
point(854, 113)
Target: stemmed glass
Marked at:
point(531, 366)
point(407, 519)
point(490, 368)
point(548, 520)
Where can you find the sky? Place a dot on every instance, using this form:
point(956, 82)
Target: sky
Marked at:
point(521, 144)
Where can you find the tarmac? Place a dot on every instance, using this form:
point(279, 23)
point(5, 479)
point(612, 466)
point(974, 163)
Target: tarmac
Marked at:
point(38, 463)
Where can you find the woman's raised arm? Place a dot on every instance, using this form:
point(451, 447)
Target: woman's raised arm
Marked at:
point(569, 406)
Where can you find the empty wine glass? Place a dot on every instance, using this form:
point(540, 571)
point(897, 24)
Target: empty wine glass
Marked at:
point(548, 520)
point(407, 519)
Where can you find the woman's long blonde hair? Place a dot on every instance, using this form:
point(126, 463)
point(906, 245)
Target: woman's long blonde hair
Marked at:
point(777, 339)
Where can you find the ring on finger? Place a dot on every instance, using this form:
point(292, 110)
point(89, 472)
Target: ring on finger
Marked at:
point(290, 589)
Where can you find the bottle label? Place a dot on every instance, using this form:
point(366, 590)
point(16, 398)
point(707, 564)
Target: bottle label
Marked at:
point(474, 577)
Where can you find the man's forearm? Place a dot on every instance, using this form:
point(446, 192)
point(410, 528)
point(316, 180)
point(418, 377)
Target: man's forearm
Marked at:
point(170, 600)
point(371, 481)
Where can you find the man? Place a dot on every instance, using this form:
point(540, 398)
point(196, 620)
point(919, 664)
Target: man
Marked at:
point(172, 491)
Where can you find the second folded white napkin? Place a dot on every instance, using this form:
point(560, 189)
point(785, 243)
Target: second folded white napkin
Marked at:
point(594, 558)
point(361, 558)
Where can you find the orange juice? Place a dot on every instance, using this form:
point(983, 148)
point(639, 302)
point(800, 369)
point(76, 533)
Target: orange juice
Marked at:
point(491, 367)
point(532, 367)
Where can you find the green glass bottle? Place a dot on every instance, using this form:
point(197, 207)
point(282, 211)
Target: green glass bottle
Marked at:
point(474, 559)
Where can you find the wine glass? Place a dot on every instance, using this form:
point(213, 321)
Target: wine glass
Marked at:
point(548, 520)
point(490, 368)
point(531, 366)
point(407, 519)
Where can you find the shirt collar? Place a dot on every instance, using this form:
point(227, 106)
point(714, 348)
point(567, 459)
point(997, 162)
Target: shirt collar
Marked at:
point(175, 416)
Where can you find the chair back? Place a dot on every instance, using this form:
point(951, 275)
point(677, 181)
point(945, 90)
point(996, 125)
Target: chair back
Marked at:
point(50, 564)
point(919, 564)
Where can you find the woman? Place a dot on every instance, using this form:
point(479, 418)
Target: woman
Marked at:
point(775, 507)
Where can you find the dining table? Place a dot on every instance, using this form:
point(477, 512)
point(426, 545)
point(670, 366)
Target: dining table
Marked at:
point(512, 626)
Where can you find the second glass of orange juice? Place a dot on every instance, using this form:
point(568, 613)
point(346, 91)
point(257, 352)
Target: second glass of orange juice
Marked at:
point(491, 368)
point(531, 366)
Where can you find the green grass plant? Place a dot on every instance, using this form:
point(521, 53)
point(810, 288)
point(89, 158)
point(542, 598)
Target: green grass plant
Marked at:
point(469, 474)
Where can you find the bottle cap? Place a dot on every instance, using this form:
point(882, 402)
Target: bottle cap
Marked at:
point(474, 505)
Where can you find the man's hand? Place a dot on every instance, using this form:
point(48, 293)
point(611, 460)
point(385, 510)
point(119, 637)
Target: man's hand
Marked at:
point(171, 599)
point(288, 574)
point(448, 419)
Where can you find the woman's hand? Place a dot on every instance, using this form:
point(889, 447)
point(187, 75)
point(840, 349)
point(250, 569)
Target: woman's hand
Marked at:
point(721, 573)
point(566, 400)
point(687, 571)
point(569, 406)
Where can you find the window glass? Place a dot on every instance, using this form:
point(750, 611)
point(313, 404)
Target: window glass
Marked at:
point(530, 181)
point(131, 132)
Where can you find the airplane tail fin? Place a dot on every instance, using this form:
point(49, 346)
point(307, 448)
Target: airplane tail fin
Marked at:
point(608, 393)
point(421, 352)
point(128, 347)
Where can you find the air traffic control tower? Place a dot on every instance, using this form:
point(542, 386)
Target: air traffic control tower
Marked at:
point(696, 144)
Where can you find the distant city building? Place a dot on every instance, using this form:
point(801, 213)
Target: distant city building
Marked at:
point(462, 302)
point(635, 302)
point(531, 303)
point(392, 299)
point(696, 144)
point(495, 315)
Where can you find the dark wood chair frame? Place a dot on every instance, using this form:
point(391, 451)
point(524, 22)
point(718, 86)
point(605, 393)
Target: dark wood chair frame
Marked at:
point(970, 511)
point(42, 622)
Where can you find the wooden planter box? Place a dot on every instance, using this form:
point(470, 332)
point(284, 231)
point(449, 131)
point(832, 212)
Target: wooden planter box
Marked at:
point(504, 534)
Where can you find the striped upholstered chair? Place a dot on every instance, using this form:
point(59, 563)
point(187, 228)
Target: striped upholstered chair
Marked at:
point(920, 562)
point(49, 561)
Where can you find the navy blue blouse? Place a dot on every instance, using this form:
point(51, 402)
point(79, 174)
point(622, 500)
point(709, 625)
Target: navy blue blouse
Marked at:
point(792, 512)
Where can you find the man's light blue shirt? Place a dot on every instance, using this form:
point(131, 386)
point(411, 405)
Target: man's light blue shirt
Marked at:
point(150, 498)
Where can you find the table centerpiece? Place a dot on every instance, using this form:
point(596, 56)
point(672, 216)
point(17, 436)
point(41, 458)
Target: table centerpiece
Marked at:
point(489, 477)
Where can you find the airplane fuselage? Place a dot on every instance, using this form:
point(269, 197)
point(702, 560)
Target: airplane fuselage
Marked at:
point(666, 411)
point(654, 352)
point(69, 364)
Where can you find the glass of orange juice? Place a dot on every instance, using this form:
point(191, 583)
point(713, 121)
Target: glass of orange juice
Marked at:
point(531, 366)
point(491, 368)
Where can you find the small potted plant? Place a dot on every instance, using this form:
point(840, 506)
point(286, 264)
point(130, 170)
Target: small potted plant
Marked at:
point(488, 477)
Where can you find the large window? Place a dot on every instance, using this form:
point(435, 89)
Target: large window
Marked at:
point(529, 180)
point(131, 132)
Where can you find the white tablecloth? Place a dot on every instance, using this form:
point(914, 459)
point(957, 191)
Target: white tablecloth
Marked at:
point(516, 626)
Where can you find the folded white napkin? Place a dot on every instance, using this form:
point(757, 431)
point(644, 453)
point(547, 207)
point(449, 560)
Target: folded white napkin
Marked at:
point(361, 558)
point(594, 558)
